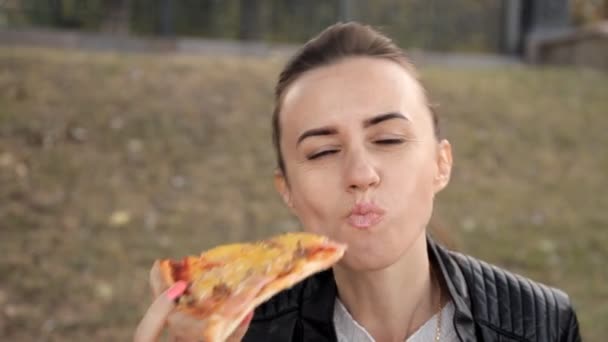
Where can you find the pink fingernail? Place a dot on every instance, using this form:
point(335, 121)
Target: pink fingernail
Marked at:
point(177, 289)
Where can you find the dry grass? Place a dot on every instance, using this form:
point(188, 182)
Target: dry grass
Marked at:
point(110, 161)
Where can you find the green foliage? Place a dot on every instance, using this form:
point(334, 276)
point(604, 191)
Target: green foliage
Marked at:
point(297, 21)
point(209, 18)
point(81, 14)
point(471, 25)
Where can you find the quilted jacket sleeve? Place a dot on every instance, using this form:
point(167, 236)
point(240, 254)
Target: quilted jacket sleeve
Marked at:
point(571, 332)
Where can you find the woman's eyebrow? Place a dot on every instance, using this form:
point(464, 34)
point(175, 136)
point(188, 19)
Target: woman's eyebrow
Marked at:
point(368, 122)
point(316, 132)
point(383, 117)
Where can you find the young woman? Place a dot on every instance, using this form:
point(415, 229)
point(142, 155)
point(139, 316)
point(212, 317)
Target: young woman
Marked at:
point(360, 159)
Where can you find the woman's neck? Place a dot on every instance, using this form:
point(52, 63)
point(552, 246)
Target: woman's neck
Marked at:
point(391, 303)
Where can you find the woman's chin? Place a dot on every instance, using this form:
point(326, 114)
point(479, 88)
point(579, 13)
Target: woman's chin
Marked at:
point(368, 262)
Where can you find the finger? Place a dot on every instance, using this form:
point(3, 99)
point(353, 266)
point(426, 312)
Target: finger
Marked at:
point(240, 332)
point(152, 323)
point(175, 338)
point(185, 326)
point(157, 282)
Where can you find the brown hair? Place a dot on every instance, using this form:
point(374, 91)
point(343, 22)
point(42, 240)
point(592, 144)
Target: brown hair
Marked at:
point(335, 43)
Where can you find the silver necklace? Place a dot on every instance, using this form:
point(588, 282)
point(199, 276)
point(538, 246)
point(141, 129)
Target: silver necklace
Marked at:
point(438, 328)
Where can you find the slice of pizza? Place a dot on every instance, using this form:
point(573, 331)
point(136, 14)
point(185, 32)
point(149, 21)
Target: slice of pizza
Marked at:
point(230, 281)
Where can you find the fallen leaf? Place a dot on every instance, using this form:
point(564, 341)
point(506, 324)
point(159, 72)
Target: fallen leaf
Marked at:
point(104, 291)
point(6, 160)
point(119, 218)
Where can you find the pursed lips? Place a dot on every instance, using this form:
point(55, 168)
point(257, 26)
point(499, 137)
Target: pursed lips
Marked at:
point(365, 215)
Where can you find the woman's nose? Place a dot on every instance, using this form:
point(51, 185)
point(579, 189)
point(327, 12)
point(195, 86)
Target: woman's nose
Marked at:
point(360, 173)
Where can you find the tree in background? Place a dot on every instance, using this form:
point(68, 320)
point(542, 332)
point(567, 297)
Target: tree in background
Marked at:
point(444, 25)
point(116, 16)
point(250, 23)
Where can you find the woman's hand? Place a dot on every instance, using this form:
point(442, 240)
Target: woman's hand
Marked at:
point(181, 326)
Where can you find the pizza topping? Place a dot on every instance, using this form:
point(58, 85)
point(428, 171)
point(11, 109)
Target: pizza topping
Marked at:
point(272, 244)
point(179, 270)
point(288, 268)
point(299, 252)
point(187, 299)
point(317, 251)
point(221, 290)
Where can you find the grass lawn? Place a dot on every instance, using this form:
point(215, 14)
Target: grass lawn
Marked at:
point(109, 161)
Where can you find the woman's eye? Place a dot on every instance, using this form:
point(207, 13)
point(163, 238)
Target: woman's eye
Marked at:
point(389, 141)
point(321, 154)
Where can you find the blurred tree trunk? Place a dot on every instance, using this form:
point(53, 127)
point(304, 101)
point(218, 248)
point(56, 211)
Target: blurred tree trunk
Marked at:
point(59, 17)
point(249, 25)
point(166, 18)
point(117, 16)
point(56, 9)
point(345, 10)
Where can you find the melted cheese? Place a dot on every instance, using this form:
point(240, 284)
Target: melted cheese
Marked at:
point(291, 240)
point(237, 262)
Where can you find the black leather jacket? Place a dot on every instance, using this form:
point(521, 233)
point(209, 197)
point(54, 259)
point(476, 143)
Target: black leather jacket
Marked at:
point(491, 305)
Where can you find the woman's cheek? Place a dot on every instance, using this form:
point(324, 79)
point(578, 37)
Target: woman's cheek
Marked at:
point(313, 198)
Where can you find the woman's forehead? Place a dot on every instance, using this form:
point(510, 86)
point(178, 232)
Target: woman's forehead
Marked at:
point(352, 89)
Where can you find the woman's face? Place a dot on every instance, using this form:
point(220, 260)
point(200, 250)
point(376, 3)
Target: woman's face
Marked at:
point(362, 161)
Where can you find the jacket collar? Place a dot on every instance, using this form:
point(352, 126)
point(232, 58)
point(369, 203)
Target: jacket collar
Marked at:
point(456, 284)
point(317, 306)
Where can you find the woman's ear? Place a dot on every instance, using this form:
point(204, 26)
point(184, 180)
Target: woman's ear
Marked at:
point(444, 165)
point(280, 184)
